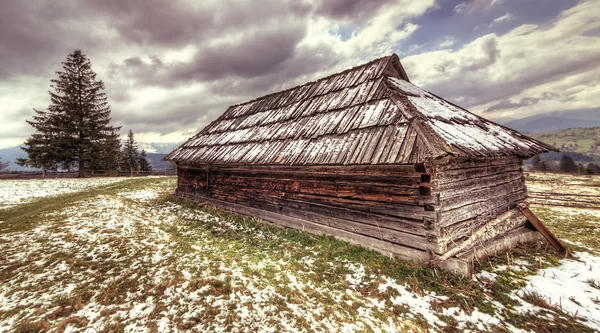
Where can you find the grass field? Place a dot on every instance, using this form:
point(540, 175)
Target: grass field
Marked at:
point(581, 140)
point(125, 255)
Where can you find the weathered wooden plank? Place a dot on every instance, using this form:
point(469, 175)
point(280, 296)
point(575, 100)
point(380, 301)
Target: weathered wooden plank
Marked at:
point(390, 194)
point(479, 162)
point(396, 146)
point(472, 173)
point(406, 225)
point(480, 207)
point(405, 210)
point(504, 242)
point(496, 227)
point(450, 190)
point(539, 225)
point(382, 144)
point(318, 229)
point(457, 266)
point(450, 238)
point(481, 195)
point(375, 231)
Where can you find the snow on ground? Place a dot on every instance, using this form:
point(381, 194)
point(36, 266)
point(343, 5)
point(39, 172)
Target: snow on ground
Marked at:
point(117, 262)
point(573, 287)
point(560, 183)
point(17, 191)
point(127, 262)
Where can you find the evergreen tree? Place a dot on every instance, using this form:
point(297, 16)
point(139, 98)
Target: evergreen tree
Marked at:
point(544, 166)
point(75, 127)
point(107, 155)
point(130, 155)
point(567, 164)
point(143, 162)
point(594, 168)
point(535, 162)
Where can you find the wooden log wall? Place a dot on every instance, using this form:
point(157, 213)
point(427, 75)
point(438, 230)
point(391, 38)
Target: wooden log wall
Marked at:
point(473, 192)
point(391, 206)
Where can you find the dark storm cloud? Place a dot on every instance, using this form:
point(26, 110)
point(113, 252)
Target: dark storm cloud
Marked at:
point(526, 101)
point(349, 9)
point(299, 69)
point(169, 66)
point(188, 112)
point(166, 23)
point(254, 54)
point(32, 37)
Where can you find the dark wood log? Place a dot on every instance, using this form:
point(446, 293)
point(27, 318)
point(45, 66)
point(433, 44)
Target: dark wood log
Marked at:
point(450, 190)
point(403, 211)
point(480, 232)
point(479, 208)
point(384, 247)
point(453, 176)
point(478, 163)
point(481, 195)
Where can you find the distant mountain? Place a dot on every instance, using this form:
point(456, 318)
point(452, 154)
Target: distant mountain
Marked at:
point(155, 152)
point(157, 162)
point(10, 155)
point(529, 125)
point(556, 121)
point(158, 147)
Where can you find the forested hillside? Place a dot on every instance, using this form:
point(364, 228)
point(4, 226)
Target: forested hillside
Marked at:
point(580, 140)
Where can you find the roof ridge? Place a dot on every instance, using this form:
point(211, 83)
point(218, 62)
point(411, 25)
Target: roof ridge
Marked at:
point(318, 80)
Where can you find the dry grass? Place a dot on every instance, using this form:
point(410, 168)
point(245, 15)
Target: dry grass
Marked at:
point(112, 259)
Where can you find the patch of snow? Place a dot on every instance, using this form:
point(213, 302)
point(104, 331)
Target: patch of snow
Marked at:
point(568, 287)
point(18, 191)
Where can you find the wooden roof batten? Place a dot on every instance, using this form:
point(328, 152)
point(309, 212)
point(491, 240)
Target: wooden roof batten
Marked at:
point(369, 114)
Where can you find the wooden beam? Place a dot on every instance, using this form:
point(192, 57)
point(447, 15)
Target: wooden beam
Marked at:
point(492, 229)
point(537, 223)
point(505, 242)
point(454, 265)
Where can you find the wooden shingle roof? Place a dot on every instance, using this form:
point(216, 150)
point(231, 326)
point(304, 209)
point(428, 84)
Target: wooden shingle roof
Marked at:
point(370, 114)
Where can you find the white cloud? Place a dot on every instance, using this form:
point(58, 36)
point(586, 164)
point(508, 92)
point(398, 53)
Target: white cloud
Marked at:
point(447, 42)
point(154, 80)
point(502, 19)
point(474, 6)
point(521, 65)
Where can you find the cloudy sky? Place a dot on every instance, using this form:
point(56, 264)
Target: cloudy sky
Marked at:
point(170, 67)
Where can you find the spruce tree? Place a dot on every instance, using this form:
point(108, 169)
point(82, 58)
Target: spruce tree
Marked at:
point(143, 162)
point(74, 132)
point(535, 162)
point(567, 164)
point(130, 155)
point(595, 168)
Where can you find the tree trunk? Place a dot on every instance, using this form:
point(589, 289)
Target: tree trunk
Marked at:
point(81, 170)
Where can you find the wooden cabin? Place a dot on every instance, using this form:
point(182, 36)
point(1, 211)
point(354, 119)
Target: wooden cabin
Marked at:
point(368, 157)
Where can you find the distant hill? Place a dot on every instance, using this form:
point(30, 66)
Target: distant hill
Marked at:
point(10, 155)
point(158, 147)
point(157, 162)
point(556, 121)
point(580, 140)
point(540, 124)
point(155, 152)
